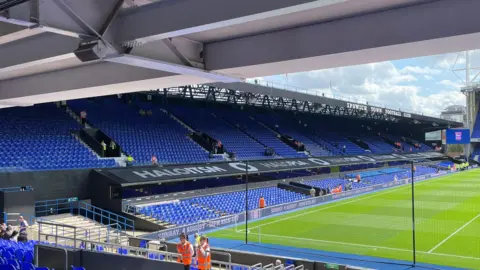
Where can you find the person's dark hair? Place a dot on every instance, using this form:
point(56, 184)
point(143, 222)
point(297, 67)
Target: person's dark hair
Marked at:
point(13, 235)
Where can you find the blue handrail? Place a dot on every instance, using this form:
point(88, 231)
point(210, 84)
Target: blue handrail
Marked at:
point(54, 207)
point(16, 189)
point(105, 217)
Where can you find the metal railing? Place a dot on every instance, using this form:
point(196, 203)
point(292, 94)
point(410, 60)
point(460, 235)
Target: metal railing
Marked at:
point(65, 230)
point(65, 242)
point(60, 240)
point(16, 189)
point(54, 207)
point(100, 234)
point(106, 217)
point(56, 229)
point(116, 228)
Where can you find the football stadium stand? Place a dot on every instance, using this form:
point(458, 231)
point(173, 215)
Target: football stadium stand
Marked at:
point(446, 164)
point(16, 255)
point(476, 129)
point(208, 207)
point(370, 178)
point(144, 129)
point(259, 132)
point(40, 138)
point(376, 144)
point(142, 136)
point(234, 140)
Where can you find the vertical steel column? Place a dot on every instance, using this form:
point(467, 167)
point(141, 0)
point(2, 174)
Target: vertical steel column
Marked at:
point(413, 216)
point(246, 203)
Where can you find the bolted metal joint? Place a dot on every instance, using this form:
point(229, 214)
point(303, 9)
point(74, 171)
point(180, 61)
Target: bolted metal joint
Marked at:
point(94, 50)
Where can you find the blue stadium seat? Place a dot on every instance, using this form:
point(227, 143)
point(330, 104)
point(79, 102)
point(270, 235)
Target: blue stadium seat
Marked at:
point(193, 210)
point(8, 267)
point(143, 136)
point(27, 266)
point(39, 138)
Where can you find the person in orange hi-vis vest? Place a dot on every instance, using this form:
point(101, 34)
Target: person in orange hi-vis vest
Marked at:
point(261, 202)
point(186, 250)
point(204, 256)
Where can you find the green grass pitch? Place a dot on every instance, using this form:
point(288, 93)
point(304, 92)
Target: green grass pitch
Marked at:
point(447, 212)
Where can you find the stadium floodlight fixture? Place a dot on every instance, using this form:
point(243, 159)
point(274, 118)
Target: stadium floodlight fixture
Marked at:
point(148, 63)
point(471, 88)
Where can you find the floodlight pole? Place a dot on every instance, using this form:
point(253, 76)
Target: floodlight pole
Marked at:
point(246, 203)
point(413, 216)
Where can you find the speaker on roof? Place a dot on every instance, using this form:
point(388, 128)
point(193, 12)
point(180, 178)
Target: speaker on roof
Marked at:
point(93, 50)
point(87, 52)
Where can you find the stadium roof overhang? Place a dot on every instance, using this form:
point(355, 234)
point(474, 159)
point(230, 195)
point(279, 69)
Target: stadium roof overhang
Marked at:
point(429, 122)
point(134, 176)
point(168, 43)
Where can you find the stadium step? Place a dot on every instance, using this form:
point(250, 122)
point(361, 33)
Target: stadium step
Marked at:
point(156, 221)
point(178, 120)
point(74, 115)
point(266, 126)
point(240, 130)
point(87, 229)
point(216, 211)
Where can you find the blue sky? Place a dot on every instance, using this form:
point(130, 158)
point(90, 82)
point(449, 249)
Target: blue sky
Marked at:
point(423, 85)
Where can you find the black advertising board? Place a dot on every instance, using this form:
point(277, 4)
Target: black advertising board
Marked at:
point(150, 175)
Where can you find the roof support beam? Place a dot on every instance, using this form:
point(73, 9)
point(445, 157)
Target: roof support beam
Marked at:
point(138, 61)
point(419, 30)
point(170, 18)
point(11, 32)
point(76, 16)
point(97, 79)
point(40, 46)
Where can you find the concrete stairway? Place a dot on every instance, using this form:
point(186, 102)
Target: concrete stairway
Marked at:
point(154, 220)
point(87, 229)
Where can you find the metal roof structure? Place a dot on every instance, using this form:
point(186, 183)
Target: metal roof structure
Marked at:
point(53, 50)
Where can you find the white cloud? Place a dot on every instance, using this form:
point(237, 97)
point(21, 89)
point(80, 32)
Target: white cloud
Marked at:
point(420, 70)
point(451, 60)
point(382, 84)
point(455, 85)
point(435, 103)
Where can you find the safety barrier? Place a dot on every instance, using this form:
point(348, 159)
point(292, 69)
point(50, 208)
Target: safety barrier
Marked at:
point(16, 189)
point(54, 207)
point(106, 217)
point(63, 242)
point(94, 234)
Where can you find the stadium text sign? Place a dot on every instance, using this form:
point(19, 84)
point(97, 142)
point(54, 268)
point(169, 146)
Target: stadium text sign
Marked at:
point(135, 176)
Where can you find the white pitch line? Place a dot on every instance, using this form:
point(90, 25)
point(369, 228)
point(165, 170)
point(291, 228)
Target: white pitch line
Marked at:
point(363, 245)
point(455, 232)
point(337, 204)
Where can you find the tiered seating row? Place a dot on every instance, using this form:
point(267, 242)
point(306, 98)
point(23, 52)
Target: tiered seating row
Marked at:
point(190, 211)
point(39, 138)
